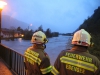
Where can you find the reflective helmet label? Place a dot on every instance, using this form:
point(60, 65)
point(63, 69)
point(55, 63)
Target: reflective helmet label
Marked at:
point(37, 36)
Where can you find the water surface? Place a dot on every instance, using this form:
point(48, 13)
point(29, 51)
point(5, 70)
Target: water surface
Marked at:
point(54, 46)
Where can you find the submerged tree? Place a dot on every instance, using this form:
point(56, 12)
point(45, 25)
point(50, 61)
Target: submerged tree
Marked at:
point(48, 33)
point(28, 34)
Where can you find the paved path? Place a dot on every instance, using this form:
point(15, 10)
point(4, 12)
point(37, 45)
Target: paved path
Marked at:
point(4, 69)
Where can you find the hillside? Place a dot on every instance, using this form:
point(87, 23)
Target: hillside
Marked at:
point(92, 25)
point(8, 22)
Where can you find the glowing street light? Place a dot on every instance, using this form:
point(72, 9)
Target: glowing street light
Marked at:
point(2, 4)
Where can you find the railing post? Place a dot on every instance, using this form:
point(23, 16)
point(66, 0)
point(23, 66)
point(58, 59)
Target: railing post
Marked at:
point(10, 59)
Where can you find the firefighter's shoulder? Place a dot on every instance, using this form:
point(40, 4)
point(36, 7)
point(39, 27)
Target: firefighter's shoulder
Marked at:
point(64, 51)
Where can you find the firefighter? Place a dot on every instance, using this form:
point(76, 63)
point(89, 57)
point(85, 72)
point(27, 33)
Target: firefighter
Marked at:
point(77, 60)
point(36, 60)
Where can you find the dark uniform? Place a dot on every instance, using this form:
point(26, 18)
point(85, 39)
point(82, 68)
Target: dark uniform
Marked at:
point(77, 61)
point(37, 61)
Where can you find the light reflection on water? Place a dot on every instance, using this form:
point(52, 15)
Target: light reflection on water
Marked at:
point(54, 46)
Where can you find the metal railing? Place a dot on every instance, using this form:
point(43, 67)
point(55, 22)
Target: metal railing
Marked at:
point(13, 59)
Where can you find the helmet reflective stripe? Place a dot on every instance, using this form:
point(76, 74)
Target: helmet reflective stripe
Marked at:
point(82, 43)
point(81, 37)
point(32, 57)
point(39, 37)
point(79, 63)
point(54, 71)
point(46, 70)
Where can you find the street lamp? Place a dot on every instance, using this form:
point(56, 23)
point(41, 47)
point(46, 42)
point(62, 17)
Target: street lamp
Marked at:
point(2, 4)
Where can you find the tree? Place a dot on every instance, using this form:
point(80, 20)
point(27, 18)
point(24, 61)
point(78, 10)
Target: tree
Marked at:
point(20, 29)
point(28, 34)
point(40, 28)
point(55, 34)
point(48, 33)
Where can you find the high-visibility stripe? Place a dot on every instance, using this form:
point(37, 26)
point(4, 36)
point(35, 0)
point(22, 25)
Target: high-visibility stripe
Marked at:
point(32, 57)
point(33, 52)
point(79, 63)
point(46, 70)
point(54, 71)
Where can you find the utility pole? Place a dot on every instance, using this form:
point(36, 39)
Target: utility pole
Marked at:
point(2, 4)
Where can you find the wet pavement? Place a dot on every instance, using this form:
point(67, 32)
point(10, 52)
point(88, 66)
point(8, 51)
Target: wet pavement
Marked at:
point(4, 70)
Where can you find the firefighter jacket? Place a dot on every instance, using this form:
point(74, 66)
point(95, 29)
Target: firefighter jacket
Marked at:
point(76, 61)
point(37, 61)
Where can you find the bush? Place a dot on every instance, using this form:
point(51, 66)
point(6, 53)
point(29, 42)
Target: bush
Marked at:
point(95, 50)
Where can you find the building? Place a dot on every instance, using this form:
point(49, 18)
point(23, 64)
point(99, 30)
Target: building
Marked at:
point(8, 33)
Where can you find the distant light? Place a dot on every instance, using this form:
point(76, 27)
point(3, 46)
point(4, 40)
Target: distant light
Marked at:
point(22, 35)
point(2, 4)
point(30, 24)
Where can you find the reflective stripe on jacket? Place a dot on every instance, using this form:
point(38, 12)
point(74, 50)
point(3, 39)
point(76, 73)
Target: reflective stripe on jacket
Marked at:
point(54, 71)
point(37, 62)
point(74, 62)
point(46, 70)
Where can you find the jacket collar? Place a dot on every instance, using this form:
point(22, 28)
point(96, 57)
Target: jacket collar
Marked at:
point(79, 48)
point(40, 46)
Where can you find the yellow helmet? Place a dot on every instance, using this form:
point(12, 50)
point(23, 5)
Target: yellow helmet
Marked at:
point(82, 38)
point(39, 38)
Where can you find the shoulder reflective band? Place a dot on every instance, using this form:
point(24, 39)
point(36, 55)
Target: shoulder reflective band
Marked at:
point(79, 63)
point(54, 71)
point(32, 57)
point(33, 52)
point(46, 70)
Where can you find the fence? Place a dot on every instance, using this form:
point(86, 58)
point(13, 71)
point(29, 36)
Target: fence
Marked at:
point(13, 59)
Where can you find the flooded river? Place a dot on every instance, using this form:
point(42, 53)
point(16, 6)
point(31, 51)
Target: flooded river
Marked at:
point(54, 46)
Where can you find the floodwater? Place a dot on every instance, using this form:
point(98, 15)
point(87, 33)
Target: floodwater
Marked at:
point(54, 46)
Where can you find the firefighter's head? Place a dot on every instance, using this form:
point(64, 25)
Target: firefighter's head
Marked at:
point(39, 38)
point(82, 38)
